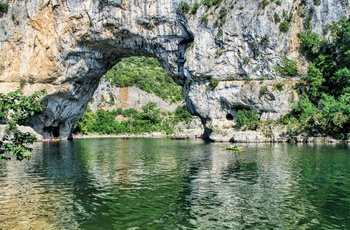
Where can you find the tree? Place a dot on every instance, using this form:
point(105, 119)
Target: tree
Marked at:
point(16, 109)
point(247, 118)
point(315, 79)
point(325, 107)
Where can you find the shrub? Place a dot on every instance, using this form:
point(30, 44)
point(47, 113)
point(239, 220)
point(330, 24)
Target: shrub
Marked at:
point(16, 109)
point(255, 48)
point(278, 86)
point(195, 7)
point(3, 7)
point(247, 118)
point(181, 114)
point(184, 7)
point(150, 119)
point(278, 2)
point(276, 17)
point(284, 26)
point(264, 3)
point(263, 90)
point(222, 15)
point(288, 68)
point(213, 83)
point(209, 3)
point(204, 19)
point(314, 79)
point(265, 40)
point(219, 52)
point(22, 83)
point(317, 2)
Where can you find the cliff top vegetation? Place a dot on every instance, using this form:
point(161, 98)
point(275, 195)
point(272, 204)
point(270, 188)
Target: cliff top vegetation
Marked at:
point(147, 74)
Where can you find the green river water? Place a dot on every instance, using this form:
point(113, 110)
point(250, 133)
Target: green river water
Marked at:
point(176, 184)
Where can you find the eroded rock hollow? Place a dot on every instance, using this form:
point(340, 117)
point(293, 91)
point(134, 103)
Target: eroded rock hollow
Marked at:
point(65, 46)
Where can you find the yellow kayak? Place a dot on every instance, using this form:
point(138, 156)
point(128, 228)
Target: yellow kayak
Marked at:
point(234, 148)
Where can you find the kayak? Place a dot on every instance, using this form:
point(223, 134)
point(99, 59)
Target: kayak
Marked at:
point(234, 149)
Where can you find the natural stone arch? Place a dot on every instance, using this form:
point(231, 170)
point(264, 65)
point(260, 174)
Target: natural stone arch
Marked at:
point(65, 46)
point(97, 36)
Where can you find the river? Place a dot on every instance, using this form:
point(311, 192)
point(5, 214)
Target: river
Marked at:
point(176, 184)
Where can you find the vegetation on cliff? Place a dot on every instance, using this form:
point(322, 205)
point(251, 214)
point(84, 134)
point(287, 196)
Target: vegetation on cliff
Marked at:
point(16, 109)
point(323, 108)
point(324, 105)
point(128, 121)
point(147, 74)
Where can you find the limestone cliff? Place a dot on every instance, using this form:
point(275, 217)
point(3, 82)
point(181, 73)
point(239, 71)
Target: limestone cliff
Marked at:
point(65, 46)
point(109, 97)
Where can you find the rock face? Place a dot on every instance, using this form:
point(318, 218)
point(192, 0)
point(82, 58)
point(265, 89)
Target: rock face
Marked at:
point(218, 107)
point(65, 46)
point(110, 98)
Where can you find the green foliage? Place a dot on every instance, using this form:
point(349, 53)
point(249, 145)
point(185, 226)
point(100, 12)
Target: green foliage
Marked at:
point(111, 100)
point(247, 118)
point(222, 15)
point(255, 48)
point(288, 68)
point(317, 2)
point(219, 52)
point(220, 32)
point(284, 26)
point(195, 7)
point(264, 3)
point(204, 19)
point(3, 7)
point(325, 106)
point(304, 109)
point(184, 7)
point(310, 44)
point(146, 74)
point(213, 83)
point(340, 77)
point(265, 40)
point(16, 109)
point(22, 83)
point(314, 79)
point(331, 57)
point(278, 86)
point(210, 3)
point(264, 90)
point(181, 114)
point(87, 122)
point(336, 114)
point(276, 17)
point(150, 119)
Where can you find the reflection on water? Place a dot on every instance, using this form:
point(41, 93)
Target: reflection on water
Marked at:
point(167, 184)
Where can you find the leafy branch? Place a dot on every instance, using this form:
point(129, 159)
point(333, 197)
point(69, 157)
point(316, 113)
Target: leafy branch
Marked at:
point(16, 109)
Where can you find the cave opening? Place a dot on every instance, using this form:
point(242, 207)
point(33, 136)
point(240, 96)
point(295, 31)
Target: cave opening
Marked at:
point(229, 117)
point(52, 131)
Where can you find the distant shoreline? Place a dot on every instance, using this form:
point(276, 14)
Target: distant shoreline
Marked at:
point(144, 135)
point(298, 139)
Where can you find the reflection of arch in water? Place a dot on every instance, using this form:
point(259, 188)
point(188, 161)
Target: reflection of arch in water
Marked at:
point(123, 164)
